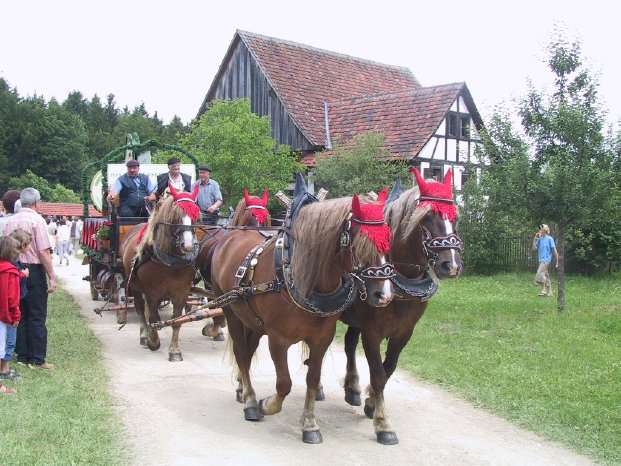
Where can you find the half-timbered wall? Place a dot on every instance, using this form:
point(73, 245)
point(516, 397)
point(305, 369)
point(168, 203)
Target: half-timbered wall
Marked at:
point(242, 77)
point(444, 151)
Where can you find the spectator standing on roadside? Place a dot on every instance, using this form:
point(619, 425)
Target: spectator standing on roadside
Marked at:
point(23, 242)
point(31, 345)
point(9, 200)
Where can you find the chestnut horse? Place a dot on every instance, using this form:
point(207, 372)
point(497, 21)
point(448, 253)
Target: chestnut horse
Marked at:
point(424, 238)
point(309, 290)
point(158, 258)
point(250, 211)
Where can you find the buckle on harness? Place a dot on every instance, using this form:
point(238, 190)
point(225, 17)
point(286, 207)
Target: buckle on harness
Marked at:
point(241, 272)
point(279, 243)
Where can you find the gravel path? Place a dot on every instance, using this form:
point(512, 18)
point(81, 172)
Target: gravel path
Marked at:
point(185, 413)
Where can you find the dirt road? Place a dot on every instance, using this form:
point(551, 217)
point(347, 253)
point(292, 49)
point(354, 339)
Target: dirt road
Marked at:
point(185, 413)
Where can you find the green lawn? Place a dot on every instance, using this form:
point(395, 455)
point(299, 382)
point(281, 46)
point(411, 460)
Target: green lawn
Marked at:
point(63, 416)
point(493, 341)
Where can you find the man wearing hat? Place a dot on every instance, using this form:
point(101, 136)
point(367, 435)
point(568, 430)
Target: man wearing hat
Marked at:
point(133, 188)
point(209, 197)
point(179, 181)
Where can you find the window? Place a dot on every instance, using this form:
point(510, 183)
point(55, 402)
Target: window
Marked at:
point(458, 125)
point(434, 173)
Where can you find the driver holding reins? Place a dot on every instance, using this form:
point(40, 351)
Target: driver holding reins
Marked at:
point(133, 189)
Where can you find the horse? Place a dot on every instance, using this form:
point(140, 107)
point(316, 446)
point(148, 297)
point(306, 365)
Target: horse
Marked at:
point(250, 211)
point(158, 258)
point(300, 296)
point(423, 220)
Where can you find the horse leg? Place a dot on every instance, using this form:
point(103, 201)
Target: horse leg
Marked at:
point(310, 429)
point(238, 335)
point(273, 403)
point(374, 406)
point(152, 316)
point(174, 352)
point(213, 328)
point(351, 384)
point(144, 328)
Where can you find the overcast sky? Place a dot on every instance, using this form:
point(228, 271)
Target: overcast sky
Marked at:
point(166, 53)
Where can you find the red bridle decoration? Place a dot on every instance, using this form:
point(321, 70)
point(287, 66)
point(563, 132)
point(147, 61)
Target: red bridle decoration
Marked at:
point(370, 217)
point(187, 201)
point(438, 195)
point(257, 206)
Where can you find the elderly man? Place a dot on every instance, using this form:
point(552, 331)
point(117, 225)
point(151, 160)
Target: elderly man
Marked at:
point(209, 196)
point(179, 181)
point(31, 345)
point(133, 189)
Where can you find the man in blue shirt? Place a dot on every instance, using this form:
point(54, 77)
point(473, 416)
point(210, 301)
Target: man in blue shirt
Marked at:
point(133, 188)
point(544, 244)
point(209, 197)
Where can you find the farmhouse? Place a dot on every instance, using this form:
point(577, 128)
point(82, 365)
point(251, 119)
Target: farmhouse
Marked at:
point(315, 97)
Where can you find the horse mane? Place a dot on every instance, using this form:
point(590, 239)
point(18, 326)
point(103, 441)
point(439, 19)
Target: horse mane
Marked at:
point(243, 217)
point(317, 232)
point(166, 212)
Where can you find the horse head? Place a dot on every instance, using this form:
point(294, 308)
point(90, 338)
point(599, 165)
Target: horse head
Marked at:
point(182, 212)
point(435, 218)
point(372, 241)
point(252, 211)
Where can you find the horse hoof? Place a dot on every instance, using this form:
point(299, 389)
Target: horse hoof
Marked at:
point(352, 397)
point(205, 331)
point(153, 346)
point(320, 395)
point(175, 357)
point(143, 342)
point(219, 337)
point(387, 438)
point(251, 413)
point(368, 411)
point(312, 436)
point(238, 396)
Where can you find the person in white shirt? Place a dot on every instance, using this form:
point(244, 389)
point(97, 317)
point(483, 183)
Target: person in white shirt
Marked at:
point(63, 235)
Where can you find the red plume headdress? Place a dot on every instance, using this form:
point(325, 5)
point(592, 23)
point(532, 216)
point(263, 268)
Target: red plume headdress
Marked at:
point(257, 205)
point(438, 195)
point(370, 217)
point(187, 201)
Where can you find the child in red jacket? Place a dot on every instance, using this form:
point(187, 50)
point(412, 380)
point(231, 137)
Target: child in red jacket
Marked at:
point(9, 293)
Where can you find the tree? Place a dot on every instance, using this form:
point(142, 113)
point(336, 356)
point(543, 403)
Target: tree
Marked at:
point(358, 168)
point(561, 171)
point(238, 145)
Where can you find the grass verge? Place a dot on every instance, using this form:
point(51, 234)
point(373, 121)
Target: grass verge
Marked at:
point(63, 416)
point(494, 342)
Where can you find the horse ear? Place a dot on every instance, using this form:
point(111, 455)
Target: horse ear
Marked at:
point(173, 191)
point(448, 178)
point(381, 197)
point(195, 191)
point(395, 192)
point(300, 185)
point(247, 197)
point(264, 197)
point(355, 206)
point(419, 179)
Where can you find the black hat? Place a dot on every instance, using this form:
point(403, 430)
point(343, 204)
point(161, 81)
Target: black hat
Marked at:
point(132, 163)
point(204, 167)
point(173, 160)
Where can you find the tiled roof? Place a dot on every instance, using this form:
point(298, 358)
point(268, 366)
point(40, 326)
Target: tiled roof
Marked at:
point(304, 77)
point(65, 208)
point(407, 118)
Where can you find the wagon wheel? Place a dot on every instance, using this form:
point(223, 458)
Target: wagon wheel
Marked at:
point(121, 312)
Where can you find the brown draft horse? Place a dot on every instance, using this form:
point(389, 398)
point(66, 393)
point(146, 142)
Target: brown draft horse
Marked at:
point(319, 266)
point(158, 258)
point(424, 237)
point(250, 211)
